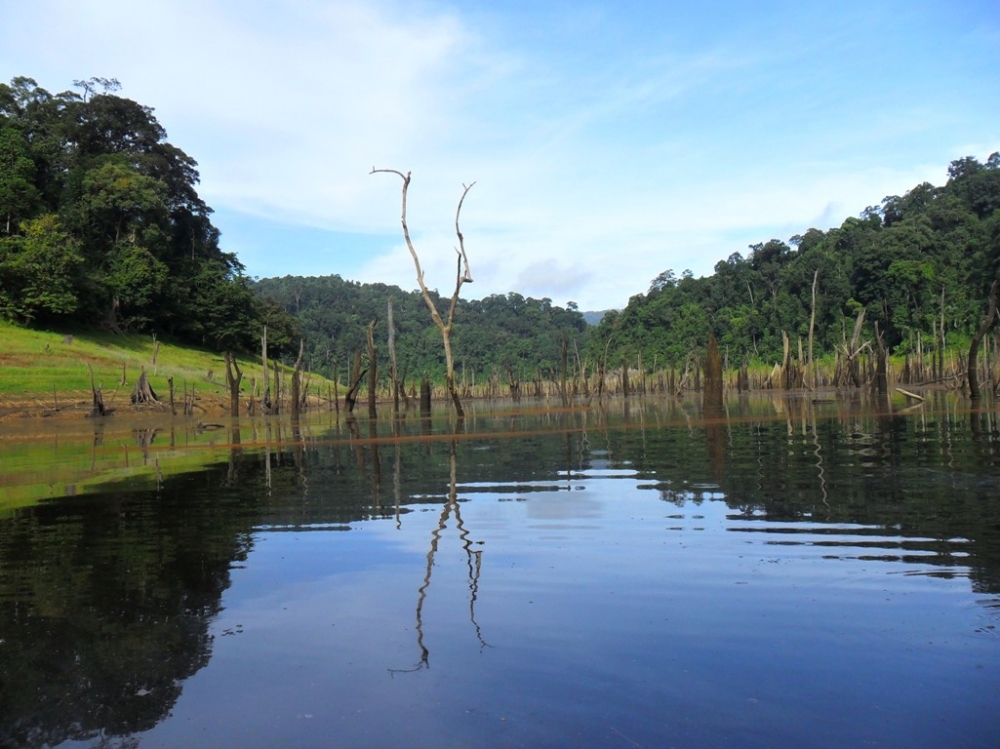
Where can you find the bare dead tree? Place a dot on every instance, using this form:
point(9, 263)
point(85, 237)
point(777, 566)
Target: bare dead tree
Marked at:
point(233, 379)
point(972, 372)
point(372, 371)
point(393, 370)
point(296, 398)
point(712, 395)
point(461, 277)
point(851, 350)
point(812, 326)
point(357, 374)
point(266, 398)
point(143, 393)
point(97, 398)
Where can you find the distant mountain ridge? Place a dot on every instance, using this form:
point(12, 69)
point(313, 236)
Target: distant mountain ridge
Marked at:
point(594, 317)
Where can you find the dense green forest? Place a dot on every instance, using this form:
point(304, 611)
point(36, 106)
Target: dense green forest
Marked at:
point(491, 334)
point(101, 225)
point(920, 265)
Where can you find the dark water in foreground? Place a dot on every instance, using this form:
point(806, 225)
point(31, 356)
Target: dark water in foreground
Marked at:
point(797, 575)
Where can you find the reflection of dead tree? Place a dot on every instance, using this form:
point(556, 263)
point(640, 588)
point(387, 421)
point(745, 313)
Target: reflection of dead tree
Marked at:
point(474, 561)
point(460, 278)
point(474, 557)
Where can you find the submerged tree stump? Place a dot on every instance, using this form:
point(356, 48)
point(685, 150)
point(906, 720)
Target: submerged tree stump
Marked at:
point(712, 394)
point(97, 403)
point(143, 393)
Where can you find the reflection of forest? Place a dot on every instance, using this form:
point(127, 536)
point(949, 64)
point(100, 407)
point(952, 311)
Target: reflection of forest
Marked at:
point(106, 600)
point(928, 479)
point(105, 603)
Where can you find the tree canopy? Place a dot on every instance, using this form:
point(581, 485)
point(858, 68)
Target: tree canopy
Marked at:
point(911, 262)
point(101, 223)
point(493, 333)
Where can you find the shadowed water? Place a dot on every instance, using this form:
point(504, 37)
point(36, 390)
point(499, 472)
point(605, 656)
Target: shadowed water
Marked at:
point(784, 573)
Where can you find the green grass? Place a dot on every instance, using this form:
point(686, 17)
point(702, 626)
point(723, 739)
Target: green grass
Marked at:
point(35, 363)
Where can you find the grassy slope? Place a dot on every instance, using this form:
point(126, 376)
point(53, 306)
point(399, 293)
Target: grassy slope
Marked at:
point(34, 363)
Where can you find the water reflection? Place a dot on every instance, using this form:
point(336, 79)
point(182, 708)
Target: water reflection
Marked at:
point(474, 560)
point(109, 600)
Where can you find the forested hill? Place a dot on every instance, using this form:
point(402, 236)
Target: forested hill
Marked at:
point(101, 224)
point(919, 265)
point(491, 333)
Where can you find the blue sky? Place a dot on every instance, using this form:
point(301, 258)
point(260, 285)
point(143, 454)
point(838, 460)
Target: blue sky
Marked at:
point(609, 141)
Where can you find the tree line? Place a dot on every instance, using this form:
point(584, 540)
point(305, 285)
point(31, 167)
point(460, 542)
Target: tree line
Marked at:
point(915, 273)
point(101, 225)
point(504, 333)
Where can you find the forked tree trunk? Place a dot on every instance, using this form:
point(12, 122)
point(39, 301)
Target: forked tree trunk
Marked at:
point(461, 277)
point(357, 374)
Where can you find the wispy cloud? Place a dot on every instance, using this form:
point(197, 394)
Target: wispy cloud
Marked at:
point(608, 144)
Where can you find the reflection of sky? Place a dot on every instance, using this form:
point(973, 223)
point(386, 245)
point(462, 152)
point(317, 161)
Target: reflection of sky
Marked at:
point(604, 612)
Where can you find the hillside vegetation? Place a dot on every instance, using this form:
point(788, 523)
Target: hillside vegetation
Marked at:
point(920, 267)
point(101, 224)
point(491, 334)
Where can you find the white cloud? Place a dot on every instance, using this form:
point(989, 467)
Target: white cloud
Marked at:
point(606, 147)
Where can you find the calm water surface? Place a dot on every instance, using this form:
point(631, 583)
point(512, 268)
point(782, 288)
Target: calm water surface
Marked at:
point(787, 574)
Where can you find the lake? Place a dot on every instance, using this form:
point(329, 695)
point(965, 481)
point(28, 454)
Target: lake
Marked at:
point(791, 572)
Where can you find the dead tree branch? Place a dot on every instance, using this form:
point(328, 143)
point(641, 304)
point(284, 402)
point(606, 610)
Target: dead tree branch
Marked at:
point(461, 277)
